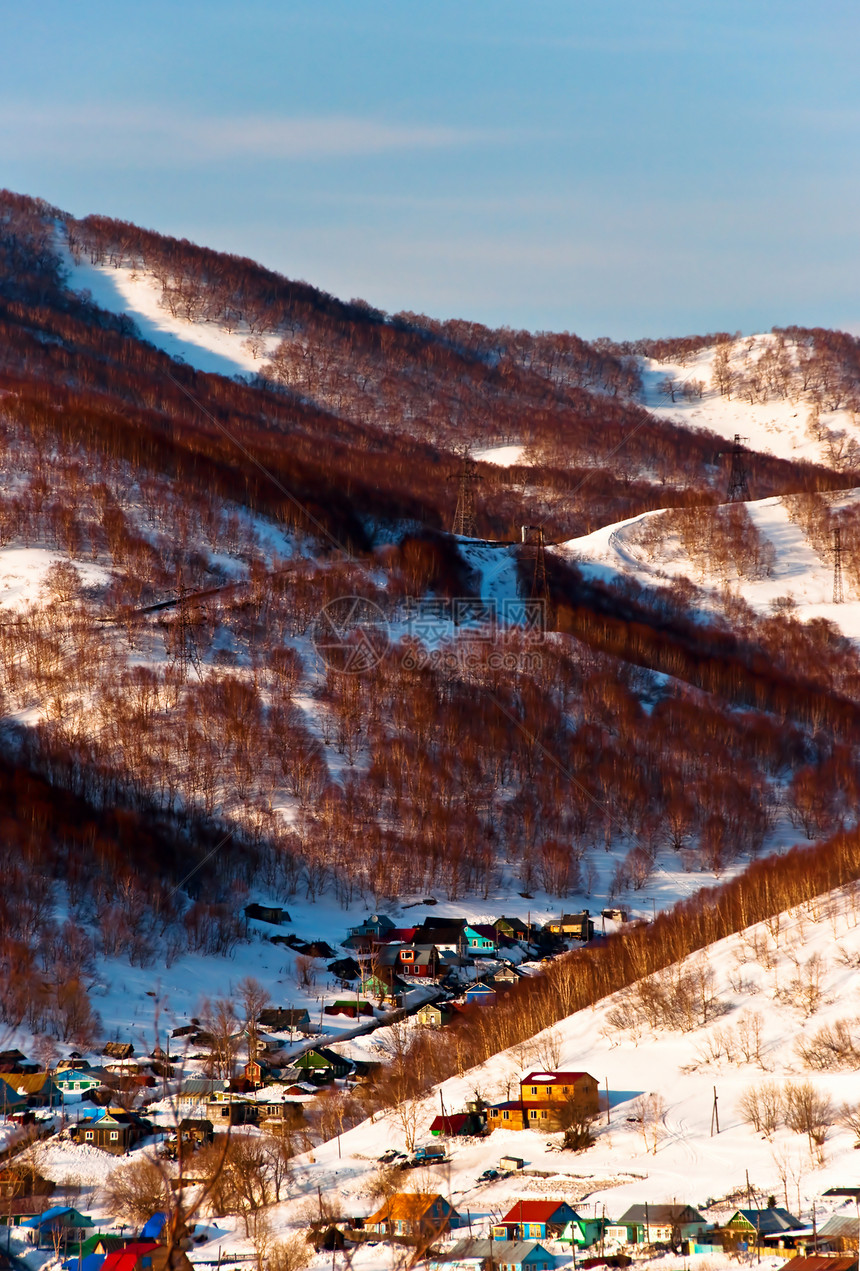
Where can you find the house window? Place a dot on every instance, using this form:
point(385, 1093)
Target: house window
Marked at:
point(506, 1116)
point(114, 1135)
point(533, 1114)
point(534, 1089)
point(88, 1134)
point(565, 1090)
point(543, 1115)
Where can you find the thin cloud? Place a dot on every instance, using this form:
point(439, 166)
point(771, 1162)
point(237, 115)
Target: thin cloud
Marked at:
point(94, 131)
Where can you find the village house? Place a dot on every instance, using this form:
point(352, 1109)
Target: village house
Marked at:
point(280, 1019)
point(534, 1220)
point(773, 1225)
point(74, 1081)
point(321, 1065)
point(584, 1232)
point(456, 1124)
point(481, 939)
point(422, 1214)
point(39, 1089)
point(10, 1099)
point(15, 1061)
point(573, 926)
point(434, 1014)
point(272, 914)
point(658, 1224)
point(60, 1225)
point(547, 1099)
point(502, 1255)
point(481, 993)
point(114, 1130)
point(514, 928)
point(839, 1233)
point(419, 962)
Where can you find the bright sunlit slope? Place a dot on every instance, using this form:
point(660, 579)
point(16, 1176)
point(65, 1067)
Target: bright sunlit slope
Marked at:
point(770, 552)
point(206, 346)
point(761, 1004)
point(769, 397)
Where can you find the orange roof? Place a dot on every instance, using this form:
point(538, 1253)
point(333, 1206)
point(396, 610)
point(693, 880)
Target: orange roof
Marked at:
point(408, 1205)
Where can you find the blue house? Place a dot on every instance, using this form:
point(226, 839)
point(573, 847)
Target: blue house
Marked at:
point(504, 1255)
point(479, 994)
point(480, 938)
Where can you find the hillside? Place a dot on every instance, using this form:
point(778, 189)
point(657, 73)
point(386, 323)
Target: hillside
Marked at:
point(206, 465)
point(771, 1009)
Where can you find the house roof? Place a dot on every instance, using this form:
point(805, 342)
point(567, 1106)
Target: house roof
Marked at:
point(768, 1222)
point(821, 1262)
point(126, 1259)
point(154, 1226)
point(508, 1251)
point(662, 1214)
point(839, 1226)
point(537, 1211)
point(60, 1213)
point(451, 1123)
point(29, 1083)
point(552, 1078)
point(407, 1205)
point(200, 1085)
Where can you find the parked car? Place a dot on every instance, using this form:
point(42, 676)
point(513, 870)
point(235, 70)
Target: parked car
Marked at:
point(488, 1176)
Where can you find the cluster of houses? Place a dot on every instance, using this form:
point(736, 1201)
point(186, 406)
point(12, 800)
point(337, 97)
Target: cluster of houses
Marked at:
point(65, 1229)
point(445, 952)
point(518, 1240)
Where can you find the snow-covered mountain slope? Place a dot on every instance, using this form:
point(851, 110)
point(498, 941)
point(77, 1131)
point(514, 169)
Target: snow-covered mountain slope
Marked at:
point(780, 420)
point(204, 345)
point(772, 989)
point(658, 547)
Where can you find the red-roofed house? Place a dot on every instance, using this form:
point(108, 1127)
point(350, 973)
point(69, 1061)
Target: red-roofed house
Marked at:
point(534, 1220)
point(147, 1255)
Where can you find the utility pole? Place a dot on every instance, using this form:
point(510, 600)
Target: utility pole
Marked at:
point(739, 491)
point(715, 1115)
point(467, 478)
point(838, 593)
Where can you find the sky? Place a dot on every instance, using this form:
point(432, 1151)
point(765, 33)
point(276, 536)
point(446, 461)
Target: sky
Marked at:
point(605, 167)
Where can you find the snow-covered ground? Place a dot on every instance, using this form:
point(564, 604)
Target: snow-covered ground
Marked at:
point(757, 984)
point(778, 426)
point(24, 570)
point(203, 345)
point(797, 571)
point(774, 987)
point(503, 456)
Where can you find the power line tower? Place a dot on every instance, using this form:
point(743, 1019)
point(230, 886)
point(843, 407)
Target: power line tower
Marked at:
point(534, 557)
point(838, 593)
point(464, 516)
point(184, 645)
point(739, 491)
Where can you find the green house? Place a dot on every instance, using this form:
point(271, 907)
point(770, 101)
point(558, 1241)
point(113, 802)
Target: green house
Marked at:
point(322, 1064)
point(583, 1232)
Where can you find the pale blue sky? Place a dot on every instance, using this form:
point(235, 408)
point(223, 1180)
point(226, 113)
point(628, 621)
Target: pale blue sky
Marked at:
point(608, 167)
